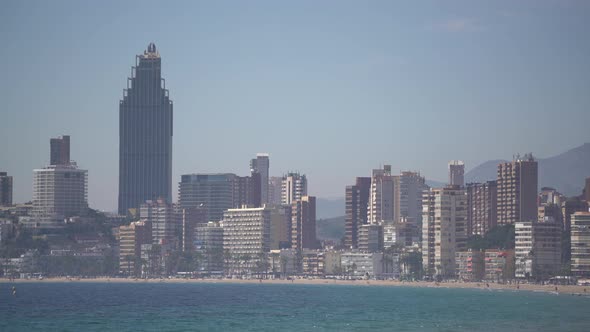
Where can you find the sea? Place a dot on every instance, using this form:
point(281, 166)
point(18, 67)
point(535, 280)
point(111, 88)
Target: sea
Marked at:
point(113, 306)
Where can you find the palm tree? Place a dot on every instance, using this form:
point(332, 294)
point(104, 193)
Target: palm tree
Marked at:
point(284, 262)
point(274, 257)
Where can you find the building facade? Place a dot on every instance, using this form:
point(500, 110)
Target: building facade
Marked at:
point(499, 265)
point(370, 238)
point(131, 237)
point(580, 244)
point(357, 200)
point(456, 173)
point(408, 187)
point(261, 166)
point(214, 192)
point(59, 150)
point(293, 188)
point(145, 135)
point(444, 217)
point(381, 197)
point(246, 234)
point(303, 223)
point(517, 190)
point(537, 249)
point(482, 201)
point(163, 220)
point(59, 192)
point(6, 187)
point(470, 265)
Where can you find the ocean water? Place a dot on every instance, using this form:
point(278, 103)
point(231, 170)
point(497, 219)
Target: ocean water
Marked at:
point(263, 307)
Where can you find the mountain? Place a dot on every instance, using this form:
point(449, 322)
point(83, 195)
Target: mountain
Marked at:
point(565, 172)
point(330, 228)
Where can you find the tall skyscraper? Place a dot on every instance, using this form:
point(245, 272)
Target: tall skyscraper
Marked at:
point(5, 189)
point(357, 200)
point(59, 150)
point(293, 188)
point(517, 190)
point(381, 196)
point(443, 229)
point(456, 173)
point(408, 189)
point(303, 223)
point(261, 165)
point(482, 201)
point(145, 135)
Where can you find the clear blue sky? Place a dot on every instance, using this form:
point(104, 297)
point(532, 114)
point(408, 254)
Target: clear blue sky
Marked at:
point(329, 88)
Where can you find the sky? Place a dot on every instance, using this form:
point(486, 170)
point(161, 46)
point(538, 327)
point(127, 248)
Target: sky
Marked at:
point(332, 89)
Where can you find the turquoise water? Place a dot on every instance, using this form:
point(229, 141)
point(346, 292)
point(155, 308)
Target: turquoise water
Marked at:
point(262, 307)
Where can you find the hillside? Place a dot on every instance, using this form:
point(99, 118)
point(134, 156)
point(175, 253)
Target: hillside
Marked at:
point(330, 229)
point(565, 172)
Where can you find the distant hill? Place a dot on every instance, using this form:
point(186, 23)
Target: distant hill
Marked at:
point(330, 229)
point(565, 172)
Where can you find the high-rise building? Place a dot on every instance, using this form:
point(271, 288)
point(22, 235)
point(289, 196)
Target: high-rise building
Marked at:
point(381, 196)
point(247, 191)
point(357, 200)
point(59, 192)
point(261, 165)
point(275, 190)
point(580, 241)
point(587, 190)
point(293, 188)
point(456, 173)
point(5, 189)
point(214, 192)
point(482, 201)
point(303, 223)
point(145, 135)
point(131, 238)
point(280, 227)
point(408, 189)
point(443, 229)
point(517, 190)
point(569, 207)
point(163, 220)
point(246, 236)
point(537, 249)
point(59, 150)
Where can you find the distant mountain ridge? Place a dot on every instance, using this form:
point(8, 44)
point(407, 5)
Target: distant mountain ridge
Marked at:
point(565, 172)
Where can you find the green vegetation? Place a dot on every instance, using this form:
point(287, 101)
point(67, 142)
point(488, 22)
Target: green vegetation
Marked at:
point(499, 237)
point(330, 229)
point(22, 241)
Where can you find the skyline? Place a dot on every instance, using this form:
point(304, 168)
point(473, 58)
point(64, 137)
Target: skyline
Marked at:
point(263, 94)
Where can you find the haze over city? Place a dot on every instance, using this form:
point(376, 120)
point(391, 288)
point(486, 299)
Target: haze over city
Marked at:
point(331, 89)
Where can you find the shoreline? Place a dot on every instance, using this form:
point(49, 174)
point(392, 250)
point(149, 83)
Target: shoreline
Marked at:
point(554, 289)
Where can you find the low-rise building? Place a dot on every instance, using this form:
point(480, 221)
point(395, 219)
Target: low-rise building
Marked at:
point(370, 238)
point(359, 265)
point(499, 265)
point(313, 263)
point(537, 249)
point(470, 265)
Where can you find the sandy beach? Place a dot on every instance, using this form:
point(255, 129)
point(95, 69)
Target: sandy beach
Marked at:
point(569, 289)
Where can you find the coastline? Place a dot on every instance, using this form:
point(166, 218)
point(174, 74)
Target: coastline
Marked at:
point(555, 289)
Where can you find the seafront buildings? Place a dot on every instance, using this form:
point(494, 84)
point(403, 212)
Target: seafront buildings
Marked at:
point(517, 190)
point(537, 249)
point(580, 244)
point(214, 192)
point(5, 189)
point(381, 196)
point(356, 203)
point(482, 205)
point(443, 229)
point(163, 220)
point(145, 135)
point(246, 236)
point(131, 238)
point(407, 204)
point(303, 223)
